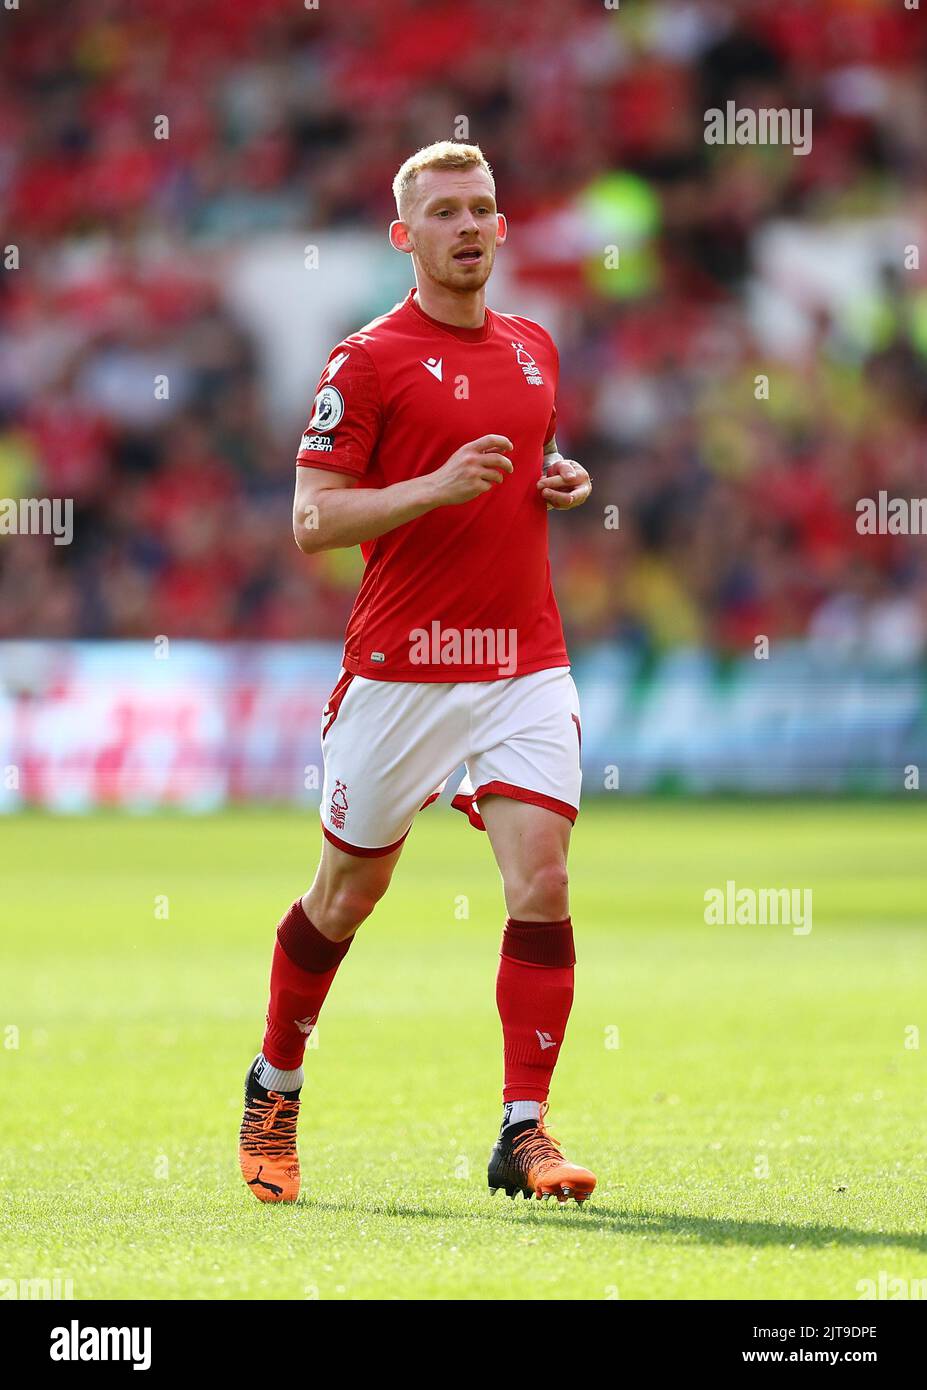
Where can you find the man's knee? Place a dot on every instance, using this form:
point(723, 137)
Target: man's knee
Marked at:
point(338, 907)
point(540, 891)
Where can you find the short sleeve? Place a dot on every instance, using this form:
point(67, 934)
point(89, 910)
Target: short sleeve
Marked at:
point(347, 414)
point(552, 422)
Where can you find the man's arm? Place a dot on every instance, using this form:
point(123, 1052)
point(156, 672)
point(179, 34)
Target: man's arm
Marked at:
point(330, 511)
point(565, 483)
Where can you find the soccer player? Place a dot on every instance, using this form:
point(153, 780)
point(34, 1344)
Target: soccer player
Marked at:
point(431, 443)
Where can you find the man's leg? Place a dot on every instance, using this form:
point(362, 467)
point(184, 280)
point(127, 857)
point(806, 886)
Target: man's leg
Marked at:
point(534, 993)
point(534, 987)
point(312, 939)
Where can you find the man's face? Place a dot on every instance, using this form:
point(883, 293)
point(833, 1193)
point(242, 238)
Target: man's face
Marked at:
point(453, 227)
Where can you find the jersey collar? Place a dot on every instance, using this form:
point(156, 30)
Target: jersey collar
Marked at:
point(466, 335)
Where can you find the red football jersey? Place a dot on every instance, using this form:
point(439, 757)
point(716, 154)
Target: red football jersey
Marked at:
point(462, 593)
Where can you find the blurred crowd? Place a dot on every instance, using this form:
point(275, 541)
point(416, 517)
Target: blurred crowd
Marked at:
point(736, 500)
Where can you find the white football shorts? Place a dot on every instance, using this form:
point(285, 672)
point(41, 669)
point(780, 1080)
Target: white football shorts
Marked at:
point(389, 748)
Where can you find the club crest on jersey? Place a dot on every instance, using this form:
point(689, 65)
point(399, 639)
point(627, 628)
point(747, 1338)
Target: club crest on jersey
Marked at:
point(339, 806)
point(326, 411)
point(528, 365)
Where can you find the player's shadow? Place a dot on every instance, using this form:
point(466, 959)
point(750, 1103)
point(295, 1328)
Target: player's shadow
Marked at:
point(705, 1230)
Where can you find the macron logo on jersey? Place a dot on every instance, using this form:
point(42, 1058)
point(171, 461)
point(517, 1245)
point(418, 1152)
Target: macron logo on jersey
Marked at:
point(435, 365)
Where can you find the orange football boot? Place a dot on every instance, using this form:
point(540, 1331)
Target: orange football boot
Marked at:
point(267, 1152)
point(526, 1159)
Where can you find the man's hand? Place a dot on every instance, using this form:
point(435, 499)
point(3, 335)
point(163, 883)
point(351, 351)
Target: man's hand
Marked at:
point(474, 469)
point(565, 485)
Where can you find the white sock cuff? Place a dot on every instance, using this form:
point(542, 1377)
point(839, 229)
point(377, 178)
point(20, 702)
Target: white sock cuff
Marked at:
point(275, 1079)
point(514, 1111)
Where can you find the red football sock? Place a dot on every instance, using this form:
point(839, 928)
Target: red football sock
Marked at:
point(534, 994)
point(304, 965)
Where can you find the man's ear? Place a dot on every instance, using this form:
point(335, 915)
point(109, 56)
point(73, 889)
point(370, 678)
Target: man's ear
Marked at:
point(399, 236)
point(502, 229)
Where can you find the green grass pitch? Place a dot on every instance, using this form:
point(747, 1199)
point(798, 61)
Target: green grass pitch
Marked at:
point(757, 1131)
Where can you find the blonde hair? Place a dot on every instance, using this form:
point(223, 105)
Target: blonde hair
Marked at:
point(444, 154)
